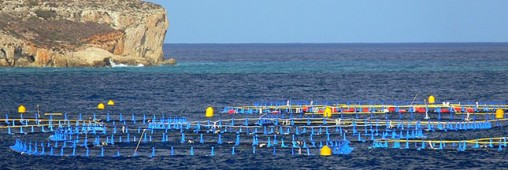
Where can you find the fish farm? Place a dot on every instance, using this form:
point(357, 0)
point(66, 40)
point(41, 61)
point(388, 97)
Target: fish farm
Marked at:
point(306, 128)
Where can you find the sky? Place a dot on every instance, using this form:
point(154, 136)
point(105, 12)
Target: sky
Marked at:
point(335, 21)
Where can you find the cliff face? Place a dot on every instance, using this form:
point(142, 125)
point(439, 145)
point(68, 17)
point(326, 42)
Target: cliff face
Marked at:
point(74, 33)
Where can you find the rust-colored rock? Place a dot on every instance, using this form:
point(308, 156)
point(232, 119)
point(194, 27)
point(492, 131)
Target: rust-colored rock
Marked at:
point(70, 33)
point(42, 57)
point(107, 41)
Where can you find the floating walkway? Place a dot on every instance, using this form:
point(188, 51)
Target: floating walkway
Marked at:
point(365, 107)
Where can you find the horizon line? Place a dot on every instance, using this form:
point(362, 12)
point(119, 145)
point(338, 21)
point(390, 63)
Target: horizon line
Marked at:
point(480, 42)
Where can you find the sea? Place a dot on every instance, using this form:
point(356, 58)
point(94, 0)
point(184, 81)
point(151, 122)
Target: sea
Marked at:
point(221, 75)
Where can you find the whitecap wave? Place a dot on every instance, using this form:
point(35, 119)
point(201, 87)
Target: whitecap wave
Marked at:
point(113, 64)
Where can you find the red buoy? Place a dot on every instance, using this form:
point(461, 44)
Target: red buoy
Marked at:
point(420, 110)
point(470, 110)
point(349, 110)
point(231, 111)
point(305, 108)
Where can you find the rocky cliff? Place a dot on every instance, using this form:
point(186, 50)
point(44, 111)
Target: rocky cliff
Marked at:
point(77, 33)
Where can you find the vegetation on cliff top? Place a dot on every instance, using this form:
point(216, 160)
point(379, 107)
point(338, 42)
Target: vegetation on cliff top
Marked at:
point(52, 33)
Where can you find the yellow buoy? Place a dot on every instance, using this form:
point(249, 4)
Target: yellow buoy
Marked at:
point(111, 103)
point(499, 114)
point(209, 112)
point(325, 151)
point(432, 99)
point(21, 109)
point(100, 106)
point(327, 112)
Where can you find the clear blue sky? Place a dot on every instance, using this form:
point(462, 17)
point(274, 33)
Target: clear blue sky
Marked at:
point(335, 21)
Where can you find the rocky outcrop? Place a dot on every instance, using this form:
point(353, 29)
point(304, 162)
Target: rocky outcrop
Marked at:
point(76, 33)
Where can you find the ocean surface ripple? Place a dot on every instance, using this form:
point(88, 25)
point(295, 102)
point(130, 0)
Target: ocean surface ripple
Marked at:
point(239, 74)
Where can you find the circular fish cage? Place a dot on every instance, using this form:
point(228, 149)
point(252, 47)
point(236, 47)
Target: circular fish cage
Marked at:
point(265, 128)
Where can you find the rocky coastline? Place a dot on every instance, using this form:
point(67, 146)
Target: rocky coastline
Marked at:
point(75, 33)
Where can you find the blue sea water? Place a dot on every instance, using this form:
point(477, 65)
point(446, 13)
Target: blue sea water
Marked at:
point(239, 74)
point(227, 74)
